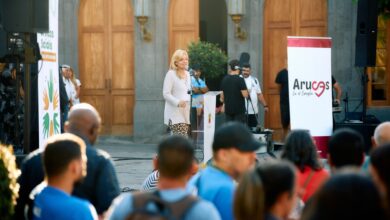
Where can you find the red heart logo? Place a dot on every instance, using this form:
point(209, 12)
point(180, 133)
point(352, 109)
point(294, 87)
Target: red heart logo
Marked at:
point(318, 88)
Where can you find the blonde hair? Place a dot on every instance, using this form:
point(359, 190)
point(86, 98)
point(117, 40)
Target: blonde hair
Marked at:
point(73, 77)
point(176, 57)
point(249, 198)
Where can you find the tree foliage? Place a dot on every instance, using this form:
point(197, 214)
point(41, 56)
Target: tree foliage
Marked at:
point(8, 182)
point(209, 57)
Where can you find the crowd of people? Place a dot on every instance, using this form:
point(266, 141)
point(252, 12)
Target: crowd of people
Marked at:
point(71, 179)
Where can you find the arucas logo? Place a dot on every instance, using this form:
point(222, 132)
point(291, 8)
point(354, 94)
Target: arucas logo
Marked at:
point(319, 88)
point(308, 88)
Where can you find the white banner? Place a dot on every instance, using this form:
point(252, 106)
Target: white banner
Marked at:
point(48, 85)
point(210, 100)
point(310, 87)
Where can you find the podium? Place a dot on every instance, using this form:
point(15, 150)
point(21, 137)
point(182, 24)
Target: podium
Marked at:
point(209, 107)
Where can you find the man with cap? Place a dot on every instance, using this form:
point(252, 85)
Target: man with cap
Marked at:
point(233, 154)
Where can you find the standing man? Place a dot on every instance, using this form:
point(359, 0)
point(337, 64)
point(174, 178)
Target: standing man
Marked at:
point(233, 94)
point(282, 81)
point(253, 86)
point(233, 154)
point(338, 91)
point(64, 162)
point(64, 98)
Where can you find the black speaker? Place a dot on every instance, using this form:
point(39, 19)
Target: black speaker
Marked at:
point(30, 16)
point(366, 33)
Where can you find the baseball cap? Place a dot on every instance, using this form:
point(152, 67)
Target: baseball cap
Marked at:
point(235, 135)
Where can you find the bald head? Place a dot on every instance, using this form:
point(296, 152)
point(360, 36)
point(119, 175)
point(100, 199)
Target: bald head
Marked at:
point(83, 120)
point(382, 133)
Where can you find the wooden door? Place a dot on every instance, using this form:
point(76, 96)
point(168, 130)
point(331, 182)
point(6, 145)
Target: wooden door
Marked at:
point(183, 24)
point(284, 18)
point(106, 61)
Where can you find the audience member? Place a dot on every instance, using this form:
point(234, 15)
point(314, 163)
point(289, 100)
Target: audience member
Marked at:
point(300, 150)
point(100, 186)
point(233, 154)
point(174, 163)
point(346, 148)
point(64, 162)
point(150, 183)
point(268, 192)
point(381, 137)
point(381, 134)
point(379, 169)
point(346, 195)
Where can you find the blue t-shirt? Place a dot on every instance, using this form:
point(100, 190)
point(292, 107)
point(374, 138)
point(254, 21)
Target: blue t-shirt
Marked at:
point(122, 206)
point(52, 203)
point(217, 187)
point(197, 98)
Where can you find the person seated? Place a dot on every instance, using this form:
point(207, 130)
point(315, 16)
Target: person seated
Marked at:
point(379, 170)
point(346, 195)
point(175, 165)
point(65, 164)
point(346, 148)
point(300, 150)
point(268, 192)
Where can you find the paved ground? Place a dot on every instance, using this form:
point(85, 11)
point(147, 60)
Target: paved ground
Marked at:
point(133, 161)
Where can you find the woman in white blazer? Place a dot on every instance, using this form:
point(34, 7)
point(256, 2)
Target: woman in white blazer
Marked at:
point(177, 94)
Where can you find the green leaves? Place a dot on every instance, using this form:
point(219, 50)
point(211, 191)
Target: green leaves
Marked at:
point(46, 124)
point(56, 125)
point(209, 57)
point(50, 85)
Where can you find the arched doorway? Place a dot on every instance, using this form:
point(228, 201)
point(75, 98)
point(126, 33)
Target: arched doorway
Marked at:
point(284, 18)
point(183, 24)
point(106, 61)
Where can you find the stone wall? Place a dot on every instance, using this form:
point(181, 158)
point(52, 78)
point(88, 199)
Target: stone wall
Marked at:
point(151, 61)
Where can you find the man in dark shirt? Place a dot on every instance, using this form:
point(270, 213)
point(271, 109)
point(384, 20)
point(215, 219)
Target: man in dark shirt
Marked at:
point(99, 187)
point(234, 92)
point(282, 81)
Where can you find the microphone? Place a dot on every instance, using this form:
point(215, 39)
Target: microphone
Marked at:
point(192, 72)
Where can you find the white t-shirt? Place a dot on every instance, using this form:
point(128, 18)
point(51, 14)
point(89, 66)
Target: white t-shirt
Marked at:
point(76, 100)
point(253, 86)
point(69, 87)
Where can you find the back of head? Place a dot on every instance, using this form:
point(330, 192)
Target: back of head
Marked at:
point(346, 195)
point(346, 148)
point(234, 135)
point(175, 157)
point(83, 120)
point(260, 189)
point(277, 178)
point(382, 133)
point(380, 160)
point(60, 151)
point(300, 150)
point(234, 65)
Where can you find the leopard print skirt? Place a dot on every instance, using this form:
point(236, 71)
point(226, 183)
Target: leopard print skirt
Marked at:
point(181, 129)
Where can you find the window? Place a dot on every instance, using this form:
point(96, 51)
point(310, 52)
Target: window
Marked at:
point(378, 89)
